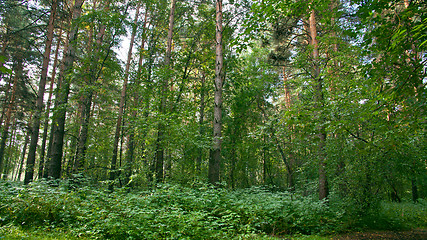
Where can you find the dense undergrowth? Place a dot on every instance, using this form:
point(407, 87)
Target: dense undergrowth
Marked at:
point(177, 212)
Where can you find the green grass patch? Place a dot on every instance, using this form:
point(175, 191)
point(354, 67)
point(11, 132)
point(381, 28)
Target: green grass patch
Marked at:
point(12, 232)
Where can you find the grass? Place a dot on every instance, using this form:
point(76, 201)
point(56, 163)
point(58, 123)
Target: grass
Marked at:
point(406, 214)
point(11, 232)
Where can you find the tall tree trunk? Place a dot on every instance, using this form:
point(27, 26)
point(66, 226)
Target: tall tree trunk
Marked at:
point(5, 102)
point(215, 158)
point(161, 128)
point(48, 105)
point(62, 96)
point(29, 171)
point(130, 147)
point(18, 68)
point(290, 161)
point(24, 151)
point(122, 103)
point(201, 120)
point(48, 156)
point(323, 185)
point(12, 144)
point(91, 77)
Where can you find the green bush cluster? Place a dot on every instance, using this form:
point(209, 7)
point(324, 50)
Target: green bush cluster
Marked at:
point(167, 212)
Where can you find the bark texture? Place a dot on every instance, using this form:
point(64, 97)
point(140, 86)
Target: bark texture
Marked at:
point(215, 158)
point(161, 128)
point(62, 97)
point(122, 102)
point(323, 185)
point(29, 171)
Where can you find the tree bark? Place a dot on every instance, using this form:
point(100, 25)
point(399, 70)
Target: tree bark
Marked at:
point(18, 73)
point(122, 103)
point(29, 171)
point(91, 77)
point(130, 147)
point(24, 151)
point(323, 185)
point(215, 158)
point(12, 144)
point(161, 127)
point(201, 120)
point(62, 97)
point(48, 105)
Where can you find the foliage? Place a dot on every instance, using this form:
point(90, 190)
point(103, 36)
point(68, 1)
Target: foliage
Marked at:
point(174, 212)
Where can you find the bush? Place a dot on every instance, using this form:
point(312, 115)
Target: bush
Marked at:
point(171, 212)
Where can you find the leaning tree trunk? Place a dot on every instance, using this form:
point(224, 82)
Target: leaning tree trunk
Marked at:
point(215, 158)
point(29, 171)
point(62, 96)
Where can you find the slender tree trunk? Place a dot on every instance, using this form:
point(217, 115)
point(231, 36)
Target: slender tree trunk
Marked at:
point(91, 77)
point(290, 161)
point(62, 97)
point(287, 90)
point(122, 103)
point(48, 156)
point(18, 73)
point(233, 159)
point(12, 143)
point(5, 102)
point(323, 185)
point(24, 151)
point(29, 170)
point(48, 105)
point(215, 158)
point(161, 128)
point(201, 120)
point(130, 147)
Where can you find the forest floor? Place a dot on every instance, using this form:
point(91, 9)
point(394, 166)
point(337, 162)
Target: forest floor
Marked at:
point(417, 234)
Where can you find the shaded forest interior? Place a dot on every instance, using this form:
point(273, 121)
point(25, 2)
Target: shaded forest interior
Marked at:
point(294, 101)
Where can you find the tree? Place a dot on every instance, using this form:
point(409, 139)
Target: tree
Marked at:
point(122, 101)
point(62, 95)
point(91, 76)
point(29, 171)
point(159, 162)
point(215, 159)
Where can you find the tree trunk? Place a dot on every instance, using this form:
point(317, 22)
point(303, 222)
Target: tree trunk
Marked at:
point(12, 143)
point(35, 127)
point(201, 120)
point(48, 155)
point(323, 186)
point(62, 96)
point(5, 102)
point(122, 103)
point(48, 105)
point(130, 147)
point(18, 73)
point(24, 150)
point(215, 158)
point(161, 128)
point(91, 77)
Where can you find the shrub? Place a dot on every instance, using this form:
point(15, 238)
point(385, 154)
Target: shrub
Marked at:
point(176, 212)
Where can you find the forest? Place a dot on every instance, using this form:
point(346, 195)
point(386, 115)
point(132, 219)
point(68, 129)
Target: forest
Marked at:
point(212, 119)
